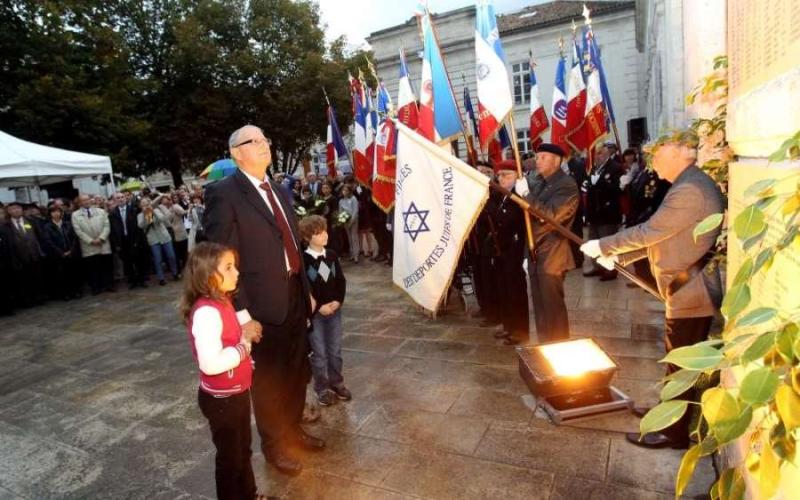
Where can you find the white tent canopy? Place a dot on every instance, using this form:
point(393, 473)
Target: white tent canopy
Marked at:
point(24, 163)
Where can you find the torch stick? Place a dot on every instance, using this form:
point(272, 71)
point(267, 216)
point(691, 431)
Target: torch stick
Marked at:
point(563, 231)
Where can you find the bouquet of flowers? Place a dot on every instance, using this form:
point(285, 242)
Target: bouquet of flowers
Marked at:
point(342, 218)
point(300, 211)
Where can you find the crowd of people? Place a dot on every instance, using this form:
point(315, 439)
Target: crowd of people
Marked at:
point(69, 247)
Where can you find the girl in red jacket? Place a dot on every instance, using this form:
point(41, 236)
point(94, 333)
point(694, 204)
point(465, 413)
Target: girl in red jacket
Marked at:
point(222, 351)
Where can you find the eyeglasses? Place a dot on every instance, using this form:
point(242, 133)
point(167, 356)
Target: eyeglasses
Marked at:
point(257, 142)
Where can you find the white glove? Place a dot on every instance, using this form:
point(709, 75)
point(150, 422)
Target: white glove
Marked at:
point(521, 187)
point(608, 262)
point(592, 248)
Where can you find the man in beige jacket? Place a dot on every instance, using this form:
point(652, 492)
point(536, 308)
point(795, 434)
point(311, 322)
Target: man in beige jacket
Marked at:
point(92, 226)
point(676, 259)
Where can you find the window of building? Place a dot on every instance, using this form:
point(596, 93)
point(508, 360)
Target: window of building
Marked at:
point(521, 76)
point(523, 141)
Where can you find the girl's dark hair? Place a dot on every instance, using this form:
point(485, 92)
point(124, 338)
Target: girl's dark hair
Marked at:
point(201, 277)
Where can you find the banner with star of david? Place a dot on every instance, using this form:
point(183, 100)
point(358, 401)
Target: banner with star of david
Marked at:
point(437, 200)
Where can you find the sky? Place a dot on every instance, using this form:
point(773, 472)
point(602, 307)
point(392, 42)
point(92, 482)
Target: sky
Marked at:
point(358, 18)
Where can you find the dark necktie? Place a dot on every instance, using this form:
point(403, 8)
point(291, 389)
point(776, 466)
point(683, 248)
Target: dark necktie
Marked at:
point(286, 232)
point(88, 213)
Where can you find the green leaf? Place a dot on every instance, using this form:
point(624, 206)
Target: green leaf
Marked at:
point(685, 471)
point(681, 381)
point(706, 225)
point(783, 151)
point(719, 406)
point(764, 259)
point(663, 415)
point(785, 343)
point(729, 430)
point(749, 223)
point(745, 271)
point(759, 348)
point(762, 188)
point(737, 298)
point(694, 357)
point(758, 386)
point(757, 316)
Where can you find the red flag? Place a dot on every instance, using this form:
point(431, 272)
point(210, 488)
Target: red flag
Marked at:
point(576, 103)
point(385, 166)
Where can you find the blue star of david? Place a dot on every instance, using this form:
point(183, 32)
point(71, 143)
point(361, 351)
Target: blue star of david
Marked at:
point(414, 221)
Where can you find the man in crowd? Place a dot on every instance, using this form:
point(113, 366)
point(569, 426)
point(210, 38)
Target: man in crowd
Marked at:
point(486, 252)
point(128, 241)
point(555, 194)
point(26, 256)
point(92, 227)
point(603, 211)
point(676, 259)
point(250, 214)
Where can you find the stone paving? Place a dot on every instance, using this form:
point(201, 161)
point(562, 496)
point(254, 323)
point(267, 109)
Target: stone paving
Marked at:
point(98, 400)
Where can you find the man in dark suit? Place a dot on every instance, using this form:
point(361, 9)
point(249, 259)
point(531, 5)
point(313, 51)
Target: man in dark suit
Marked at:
point(554, 193)
point(603, 209)
point(512, 291)
point(128, 241)
point(26, 256)
point(249, 213)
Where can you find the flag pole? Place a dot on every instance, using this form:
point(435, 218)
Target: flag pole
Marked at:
point(515, 148)
point(563, 231)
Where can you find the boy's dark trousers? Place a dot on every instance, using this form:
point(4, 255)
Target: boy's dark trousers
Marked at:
point(229, 420)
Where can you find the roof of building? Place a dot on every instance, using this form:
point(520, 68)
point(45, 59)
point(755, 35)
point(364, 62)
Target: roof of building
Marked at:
point(547, 14)
point(534, 16)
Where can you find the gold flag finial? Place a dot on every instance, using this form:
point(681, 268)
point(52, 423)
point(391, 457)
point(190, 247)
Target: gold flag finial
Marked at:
point(586, 15)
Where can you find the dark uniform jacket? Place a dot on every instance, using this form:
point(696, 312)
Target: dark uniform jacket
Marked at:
point(602, 198)
point(645, 192)
point(509, 225)
point(134, 239)
point(556, 196)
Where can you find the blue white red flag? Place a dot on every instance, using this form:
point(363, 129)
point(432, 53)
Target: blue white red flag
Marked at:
point(538, 117)
point(558, 128)
point(576, 102)
point(335, 145)
point(595, 119)
point(407, 111)
point(494, 93)
point(594, 52)
point(362, 168)
point(439, 119)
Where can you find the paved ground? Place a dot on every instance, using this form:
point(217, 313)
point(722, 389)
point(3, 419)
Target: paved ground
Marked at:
point(97, 400)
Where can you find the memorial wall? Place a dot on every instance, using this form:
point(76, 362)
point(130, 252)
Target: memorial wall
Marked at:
point(763, 40)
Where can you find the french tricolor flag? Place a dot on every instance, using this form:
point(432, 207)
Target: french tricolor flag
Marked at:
point(576, 102)
point(595, 119)
point(407, 112)
point(558, 128)
point(494, 93)
point(363, 167)
point(538, 117)
point(335, 145)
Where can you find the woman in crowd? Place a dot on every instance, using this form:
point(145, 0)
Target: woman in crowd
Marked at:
point(180, 238)
point(153, 223)
point(60, 245)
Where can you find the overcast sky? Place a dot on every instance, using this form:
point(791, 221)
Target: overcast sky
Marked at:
point(358, 18)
